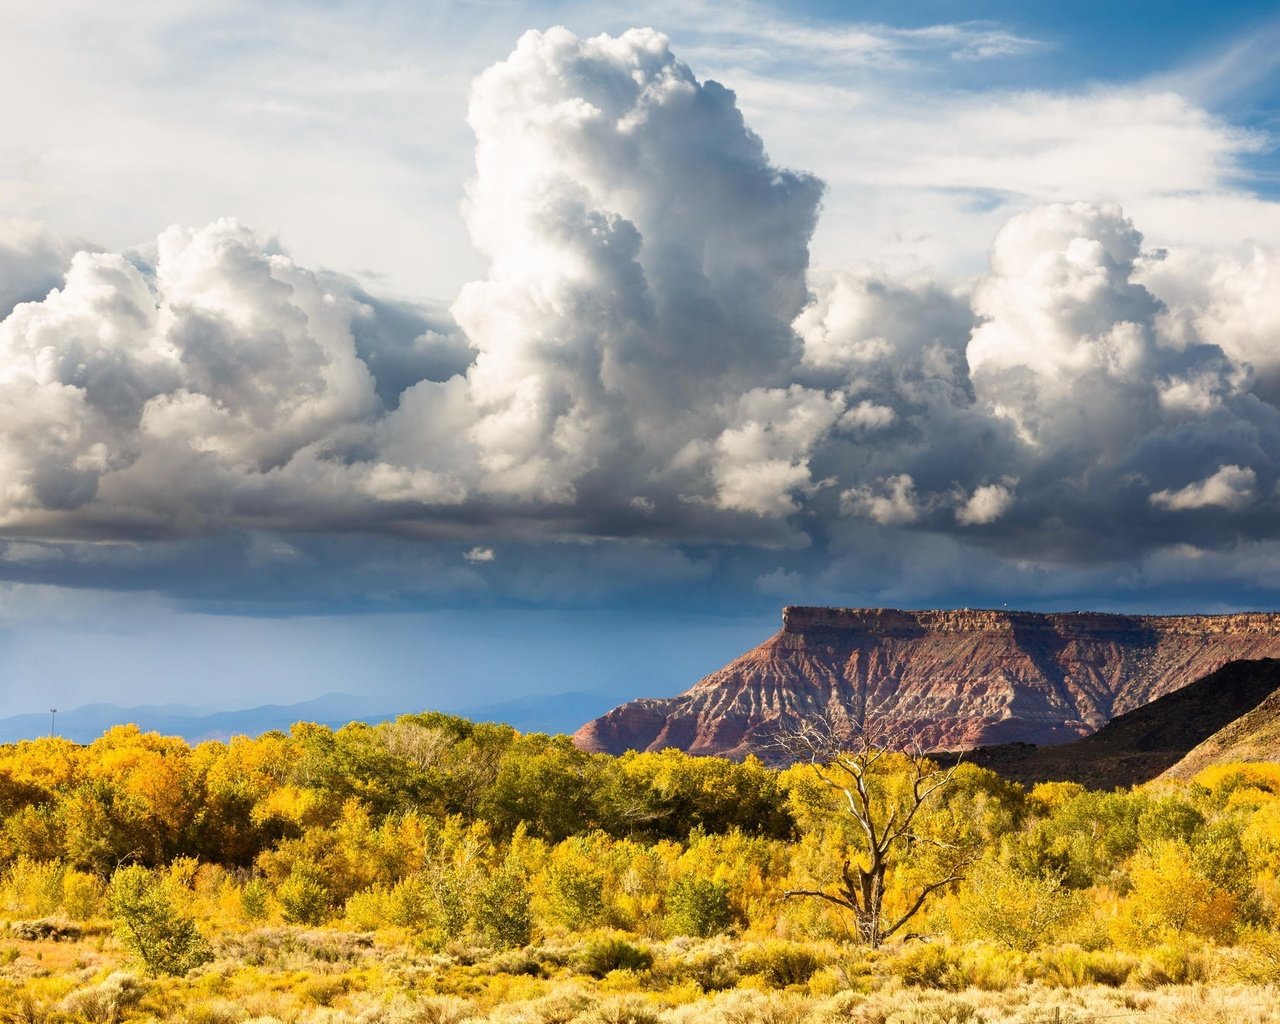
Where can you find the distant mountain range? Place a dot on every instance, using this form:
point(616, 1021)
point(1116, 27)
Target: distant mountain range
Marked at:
point(560, 712)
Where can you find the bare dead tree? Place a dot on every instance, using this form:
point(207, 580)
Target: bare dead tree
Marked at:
point(846, 756)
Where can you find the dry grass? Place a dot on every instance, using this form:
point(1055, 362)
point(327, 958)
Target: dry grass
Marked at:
point(275, 975)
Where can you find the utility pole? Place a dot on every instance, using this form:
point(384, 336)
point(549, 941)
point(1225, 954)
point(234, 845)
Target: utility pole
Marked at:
point(53, 718)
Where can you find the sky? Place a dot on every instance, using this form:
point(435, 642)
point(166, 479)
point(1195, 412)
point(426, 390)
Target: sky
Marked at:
point(454, 352)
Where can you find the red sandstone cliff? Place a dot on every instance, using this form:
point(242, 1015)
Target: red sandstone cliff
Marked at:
point(954, 679)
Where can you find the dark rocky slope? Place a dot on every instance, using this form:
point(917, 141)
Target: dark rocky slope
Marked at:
point(1223, 717)
point(1254, 736)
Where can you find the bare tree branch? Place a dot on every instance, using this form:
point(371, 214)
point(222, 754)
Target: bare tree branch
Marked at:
point(846, 756)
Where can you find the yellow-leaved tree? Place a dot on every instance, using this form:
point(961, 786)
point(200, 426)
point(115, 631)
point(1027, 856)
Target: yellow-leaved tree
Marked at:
point(1171, 896)
point(882, 786)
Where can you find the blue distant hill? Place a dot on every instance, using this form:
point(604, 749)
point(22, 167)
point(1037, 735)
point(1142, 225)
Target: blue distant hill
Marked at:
point(561, 712)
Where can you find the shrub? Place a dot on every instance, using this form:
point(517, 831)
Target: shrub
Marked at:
point(449, 891)
point(752, 1007)
point(502, 909)
point(698, 907)
point(32, 888)
point(519, 962)
point(1018, 910)
point(929, 965)
point(409, 905)
point(779, 963)
point(441, 1010)
point(424, 1010)
point(150, 928)
point(557, 1007)
point(1071, 967)
point(366, 910)
point(624, 1010)
point(219, 1011)
point(712, 970)
point(105, 1002)
point(45, 930)
point(254, 899)
point(1172, 964)
point(994, 968)
point(322, 989)
point(574, 895)
point(944, 1011)
point(613, 953)
point(81, 895)
point(26, 1007)
point(1258, 956)
point(303, 899)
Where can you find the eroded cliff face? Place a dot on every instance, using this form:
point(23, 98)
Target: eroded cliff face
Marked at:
point(951, 679)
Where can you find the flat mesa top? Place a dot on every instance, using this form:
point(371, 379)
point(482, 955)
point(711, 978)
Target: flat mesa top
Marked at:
point(804, 618)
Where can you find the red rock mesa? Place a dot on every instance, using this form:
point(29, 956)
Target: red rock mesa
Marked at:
point(952, 679)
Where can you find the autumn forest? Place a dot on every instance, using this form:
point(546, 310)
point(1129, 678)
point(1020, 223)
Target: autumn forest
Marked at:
point(435, 869)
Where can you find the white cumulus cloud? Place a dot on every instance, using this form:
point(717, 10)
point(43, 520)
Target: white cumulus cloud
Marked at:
point(646, 262)
point(985, 505)
point(762, 459)
point(1231, 488)
point(894, 503)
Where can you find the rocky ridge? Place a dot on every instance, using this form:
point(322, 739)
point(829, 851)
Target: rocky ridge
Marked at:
point(952, 679)
point(1254, 736)
point(1229, 715)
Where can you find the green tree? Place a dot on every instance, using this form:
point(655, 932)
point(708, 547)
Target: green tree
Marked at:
point(666, 794)
point(150, 927)
point(573, 886)
point(304, 899)
point(1172, 896)
point(546, 784)
point(1088, 838)
point(698, 907)
point(501, 913)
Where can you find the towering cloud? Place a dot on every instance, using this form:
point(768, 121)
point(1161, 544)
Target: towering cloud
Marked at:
point(1231, 301)
point(1111, 403)
point(646, 262)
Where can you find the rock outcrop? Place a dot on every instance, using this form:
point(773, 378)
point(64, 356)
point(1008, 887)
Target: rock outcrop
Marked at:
point(952, 680)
